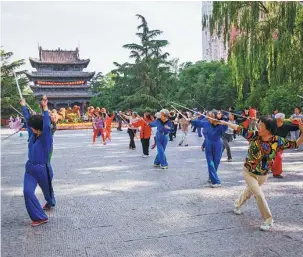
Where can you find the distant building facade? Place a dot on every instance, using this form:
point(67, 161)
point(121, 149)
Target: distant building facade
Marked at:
point(61, 78)
point(212, 47)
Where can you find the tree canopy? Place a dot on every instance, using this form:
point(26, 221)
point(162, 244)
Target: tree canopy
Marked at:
point(9, 92)
point(266, 49)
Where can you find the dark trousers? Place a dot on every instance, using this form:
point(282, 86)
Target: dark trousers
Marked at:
point(145, 145)
point(131, 133)
point(226, 139)
point(175, 130)
point(119, 128)
point(194, 129)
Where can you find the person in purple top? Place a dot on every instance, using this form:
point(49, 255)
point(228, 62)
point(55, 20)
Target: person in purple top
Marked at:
point(38, 169)
point(213, 145)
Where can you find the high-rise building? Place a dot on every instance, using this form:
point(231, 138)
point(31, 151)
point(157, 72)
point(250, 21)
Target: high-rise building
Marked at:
point(212, 46)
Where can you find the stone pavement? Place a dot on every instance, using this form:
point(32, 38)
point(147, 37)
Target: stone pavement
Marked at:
point(112, 202)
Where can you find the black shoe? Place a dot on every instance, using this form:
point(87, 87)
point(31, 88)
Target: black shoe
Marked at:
point(278, 176)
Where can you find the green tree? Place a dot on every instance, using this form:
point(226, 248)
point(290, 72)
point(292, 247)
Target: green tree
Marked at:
point(9, 92)
point(142, 84)
point(265, 53)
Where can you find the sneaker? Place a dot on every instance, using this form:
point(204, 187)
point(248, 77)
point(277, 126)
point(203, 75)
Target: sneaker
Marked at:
point(237, 211)
point(164, 167)
point(157, 165)
point(39, 222)
point(209, 181)
point(180, 144)
point(278, 176)
point(186, 145)
point(47, 207)
point(215, 185)
point(144, 156)
point(266, 227)
point(229, 160)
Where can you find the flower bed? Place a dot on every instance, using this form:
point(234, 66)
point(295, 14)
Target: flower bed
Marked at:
point(80, 125)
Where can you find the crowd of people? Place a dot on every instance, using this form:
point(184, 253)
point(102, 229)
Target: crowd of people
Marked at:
point(267, 137)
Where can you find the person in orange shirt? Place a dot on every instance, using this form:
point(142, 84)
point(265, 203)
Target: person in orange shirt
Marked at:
point(108, 123)
point(245, 114)
point(145, 132)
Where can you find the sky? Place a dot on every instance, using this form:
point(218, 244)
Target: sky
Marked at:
point(99, 29)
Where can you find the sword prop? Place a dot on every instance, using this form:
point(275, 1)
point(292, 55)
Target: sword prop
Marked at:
point(199, 104)
point(300, 96)
point(18, 87)
point(19, 91)
point(179, 112)
point(16, 110)
point(194, 111)
point(12, 134)
point(238, 115)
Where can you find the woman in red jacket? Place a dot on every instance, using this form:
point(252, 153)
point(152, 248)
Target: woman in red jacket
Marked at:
point(145, 132)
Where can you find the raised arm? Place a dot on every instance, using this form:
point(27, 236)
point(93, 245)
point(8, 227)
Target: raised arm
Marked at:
point(26, 116)
point(46, 117)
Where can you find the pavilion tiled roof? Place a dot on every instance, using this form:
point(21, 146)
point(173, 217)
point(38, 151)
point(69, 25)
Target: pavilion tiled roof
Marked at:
point(59, 56)
point(60, 74)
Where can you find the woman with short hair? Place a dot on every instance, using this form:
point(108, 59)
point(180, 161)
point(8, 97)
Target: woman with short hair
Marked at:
point(262, 150)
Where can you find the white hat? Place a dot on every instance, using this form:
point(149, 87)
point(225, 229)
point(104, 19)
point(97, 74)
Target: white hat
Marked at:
point(165, 112)
point(280, 116)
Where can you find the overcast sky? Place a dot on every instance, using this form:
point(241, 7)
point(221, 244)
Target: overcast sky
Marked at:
point(98, 28)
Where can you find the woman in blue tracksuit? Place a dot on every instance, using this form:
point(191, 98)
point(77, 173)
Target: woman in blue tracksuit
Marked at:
point(213, 145)
point(38, 169)
point(164, 127)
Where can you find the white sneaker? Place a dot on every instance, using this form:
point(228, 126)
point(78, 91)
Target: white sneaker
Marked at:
point(266, 227)
point(215, 185)
point(164, 167)
point(237, 211)
point(144, 156)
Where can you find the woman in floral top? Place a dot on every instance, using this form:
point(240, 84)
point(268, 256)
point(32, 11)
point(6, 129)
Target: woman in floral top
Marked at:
point(263, 147)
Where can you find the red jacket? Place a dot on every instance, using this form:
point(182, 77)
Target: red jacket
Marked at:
point(146, 130)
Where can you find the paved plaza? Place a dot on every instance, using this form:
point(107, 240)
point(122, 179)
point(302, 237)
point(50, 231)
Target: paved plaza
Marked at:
point(112, 202)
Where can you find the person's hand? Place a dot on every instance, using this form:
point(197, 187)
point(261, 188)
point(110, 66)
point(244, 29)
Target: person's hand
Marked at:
point(44, 102)
point(22, 102)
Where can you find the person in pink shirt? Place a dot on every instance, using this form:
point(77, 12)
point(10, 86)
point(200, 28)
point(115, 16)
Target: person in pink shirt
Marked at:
point(99, 126)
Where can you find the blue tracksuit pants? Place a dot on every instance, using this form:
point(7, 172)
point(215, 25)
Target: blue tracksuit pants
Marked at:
point(162, 141)
point(199, 130)
point(35, 174)
point(213, 153)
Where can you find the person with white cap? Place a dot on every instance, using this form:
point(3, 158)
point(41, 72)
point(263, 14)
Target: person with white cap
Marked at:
point(164, 126)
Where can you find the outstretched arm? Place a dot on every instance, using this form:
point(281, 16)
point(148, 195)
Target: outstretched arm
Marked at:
point(247, 134)
point(199, 123)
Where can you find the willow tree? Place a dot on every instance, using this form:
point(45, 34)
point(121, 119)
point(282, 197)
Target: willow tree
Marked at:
point(266, 49)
